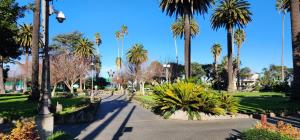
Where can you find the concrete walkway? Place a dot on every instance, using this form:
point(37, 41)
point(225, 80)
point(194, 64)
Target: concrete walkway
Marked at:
point(119, 119)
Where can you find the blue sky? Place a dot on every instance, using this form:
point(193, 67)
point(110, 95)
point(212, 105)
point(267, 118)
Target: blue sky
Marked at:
point(149, 26)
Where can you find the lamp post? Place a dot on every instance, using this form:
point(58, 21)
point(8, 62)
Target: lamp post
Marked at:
point(44, 110)
point(167, 66)
point(45, 120)
point(92, 93)
point(110, 75)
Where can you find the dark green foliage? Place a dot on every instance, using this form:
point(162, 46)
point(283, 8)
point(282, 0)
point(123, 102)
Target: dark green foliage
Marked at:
point(65, 42)
point(10, 12)
point(197, 70)
point(271, 79)
point(263, 134)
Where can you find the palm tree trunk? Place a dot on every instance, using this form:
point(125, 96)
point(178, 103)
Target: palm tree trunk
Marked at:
point(282, 52)
point(295, 23)
point(2, 89)
point(26, 71)
point(230, 87)
point(238, 67)
point(215, 66)
point(35, 51)
point(187, 46)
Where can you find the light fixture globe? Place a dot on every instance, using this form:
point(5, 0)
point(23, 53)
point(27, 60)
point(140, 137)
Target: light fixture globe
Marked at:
point(60, 17)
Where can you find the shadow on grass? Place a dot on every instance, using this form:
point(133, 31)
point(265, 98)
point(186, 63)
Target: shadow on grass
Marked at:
point(265, 104)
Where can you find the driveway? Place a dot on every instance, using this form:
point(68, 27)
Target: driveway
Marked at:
point(119, 119)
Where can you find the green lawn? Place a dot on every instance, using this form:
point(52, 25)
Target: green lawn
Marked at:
point(15, 107)
point(265, 103)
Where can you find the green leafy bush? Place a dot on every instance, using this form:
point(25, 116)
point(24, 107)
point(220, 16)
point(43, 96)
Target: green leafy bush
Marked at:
point(229, 103)
point(180, 96)
point(191, 98)
point(59, 135)
point(263, 134)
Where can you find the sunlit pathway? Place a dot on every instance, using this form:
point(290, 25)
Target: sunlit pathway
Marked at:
point(118, 119)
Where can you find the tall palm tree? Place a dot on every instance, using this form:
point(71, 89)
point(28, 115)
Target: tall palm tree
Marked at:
point(137, 55)
point(177, 29)
point(230, 14)
point(239, 39)
point(118, 37)
point(98, 41)
point(35, 51)
point(216, 50)
point(295, 23)
point(282, 6)
point(24, 40)
point(124, 32)
point(186, 9)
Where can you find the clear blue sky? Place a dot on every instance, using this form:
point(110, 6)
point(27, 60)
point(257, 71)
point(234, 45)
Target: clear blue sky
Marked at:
point(149, 26)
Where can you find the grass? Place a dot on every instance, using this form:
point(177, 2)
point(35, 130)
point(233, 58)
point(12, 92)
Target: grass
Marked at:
point(17, 106)
point(265, 103)
point(71, 104)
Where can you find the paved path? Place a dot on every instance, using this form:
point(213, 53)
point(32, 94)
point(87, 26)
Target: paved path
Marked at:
point(118, 119)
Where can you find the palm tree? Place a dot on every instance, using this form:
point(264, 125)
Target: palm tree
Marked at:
point(35, 51)
point(216, 50)
point(98, 39)
point(118, 37)
point(230, 14)
point(85, 50)
point(295, 47)
point(239, 38)
point(124, 32)
point(186, 9)
point(282, 6)
point(137, 55)
point(25, 39)
point(177, 28)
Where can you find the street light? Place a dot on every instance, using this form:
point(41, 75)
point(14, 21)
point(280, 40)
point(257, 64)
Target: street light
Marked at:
point(110, 75)
point(167, 66)
point(47, 11)
point(92, 94)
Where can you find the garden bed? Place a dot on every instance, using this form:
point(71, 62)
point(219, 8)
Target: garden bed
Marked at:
point(15, 107)
point(82, 115)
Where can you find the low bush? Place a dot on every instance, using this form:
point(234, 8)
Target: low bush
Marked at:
point(282, 128)
point(263, 134)
point(59, 135)
point(193, 99)
point(24, 130)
